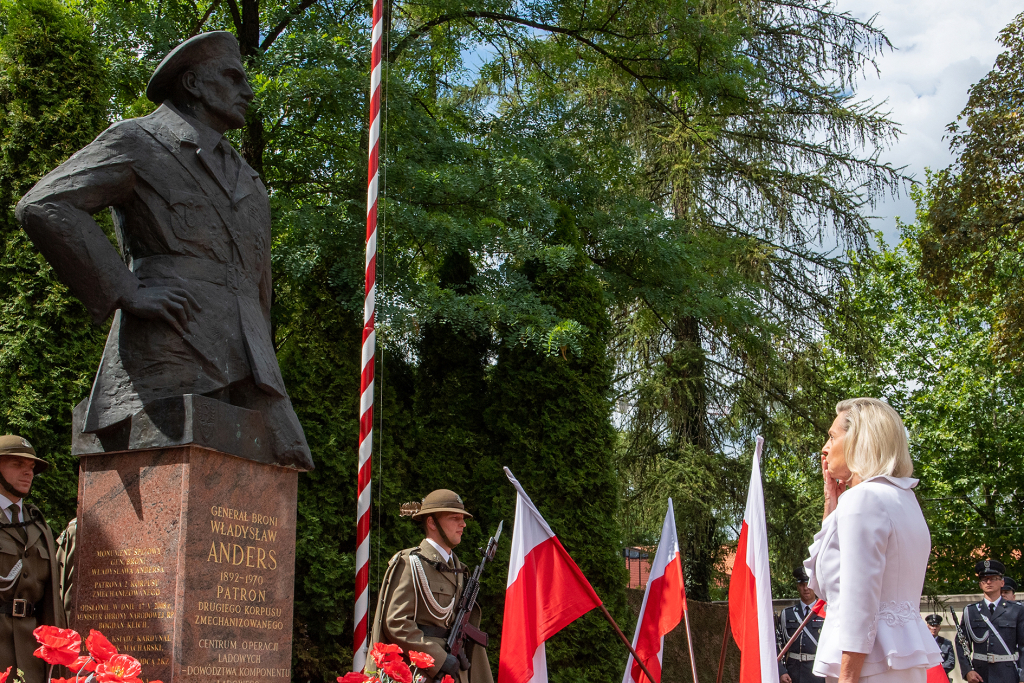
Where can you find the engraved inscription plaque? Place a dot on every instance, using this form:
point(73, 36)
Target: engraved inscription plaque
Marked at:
point(186, 562)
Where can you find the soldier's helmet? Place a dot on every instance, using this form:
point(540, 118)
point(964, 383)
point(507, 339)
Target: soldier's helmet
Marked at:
point(441, 500)
point(933, 620)
point(12, 444)
point(1009, 584)
point(989, 568)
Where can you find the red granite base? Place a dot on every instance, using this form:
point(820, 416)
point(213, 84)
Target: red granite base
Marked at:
point(186, 561)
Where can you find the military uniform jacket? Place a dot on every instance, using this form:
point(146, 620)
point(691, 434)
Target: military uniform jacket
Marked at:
point(948, 657)
point(179, 221)
point(799, 661)
point(37, 584)
point(402, 612)
point(1009, 621)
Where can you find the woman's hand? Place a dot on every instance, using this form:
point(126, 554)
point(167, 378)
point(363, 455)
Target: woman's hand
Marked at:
point(833, 488)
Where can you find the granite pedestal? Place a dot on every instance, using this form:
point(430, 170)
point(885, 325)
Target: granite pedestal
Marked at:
point(186, 561)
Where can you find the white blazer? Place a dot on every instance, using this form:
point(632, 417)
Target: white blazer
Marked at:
point(868, 562)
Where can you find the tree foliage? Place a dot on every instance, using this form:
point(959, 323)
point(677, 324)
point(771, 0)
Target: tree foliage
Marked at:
point(52, 102)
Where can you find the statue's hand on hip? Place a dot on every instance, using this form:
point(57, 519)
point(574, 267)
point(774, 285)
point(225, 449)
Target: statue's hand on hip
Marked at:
point(174, 305)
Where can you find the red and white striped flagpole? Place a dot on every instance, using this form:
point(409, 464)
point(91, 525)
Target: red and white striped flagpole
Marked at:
point(360, 632)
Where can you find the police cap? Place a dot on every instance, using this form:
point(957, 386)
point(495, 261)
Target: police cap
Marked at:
point(989, 568)
point(1009, 584)
point(800, 574)
point(195, 50)
point(933, 620)
point(441, 500)
point(12, 444)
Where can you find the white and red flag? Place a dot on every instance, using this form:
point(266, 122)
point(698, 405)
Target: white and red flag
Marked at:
point(546, 592)
point(663, 606)
point(750, 588)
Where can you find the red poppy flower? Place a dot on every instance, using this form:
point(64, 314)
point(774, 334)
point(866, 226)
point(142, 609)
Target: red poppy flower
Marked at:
point(353, 677)
point(398, 671)
point(421, 659)
point(99, 647)
point(385, 652)
point(447, 679)
point(55, 680)
point(83, 663)
point(118, 669)
point(4, 675)
point(59, 645)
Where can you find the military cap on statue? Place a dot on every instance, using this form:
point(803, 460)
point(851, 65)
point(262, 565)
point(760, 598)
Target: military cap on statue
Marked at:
point(800, 574)
point(1009, 584)
point(989, 568)
point(933, 620)
point(12, 444)
point(441, 500)
point(196, 49)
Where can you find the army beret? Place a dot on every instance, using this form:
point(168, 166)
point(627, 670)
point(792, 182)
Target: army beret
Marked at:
point(800, 574)
point(12, 444)
point(195, 50)
point(441, 500)
point(989, 568)
point(1009, 584)
point(933, 620)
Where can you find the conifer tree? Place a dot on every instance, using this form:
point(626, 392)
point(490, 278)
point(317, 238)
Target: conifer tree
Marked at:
point(550, 419)
point(52, 102)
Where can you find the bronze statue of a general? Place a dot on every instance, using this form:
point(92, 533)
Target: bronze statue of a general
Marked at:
point(191, 289)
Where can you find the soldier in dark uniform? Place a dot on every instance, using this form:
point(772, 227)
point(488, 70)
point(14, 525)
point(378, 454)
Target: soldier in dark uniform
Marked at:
point(994, 628)
point(1009, 591)
point(797, 664)
point(29, 592)
point(934, 622)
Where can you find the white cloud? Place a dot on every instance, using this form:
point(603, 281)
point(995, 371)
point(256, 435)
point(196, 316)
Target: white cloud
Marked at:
point(941, 48)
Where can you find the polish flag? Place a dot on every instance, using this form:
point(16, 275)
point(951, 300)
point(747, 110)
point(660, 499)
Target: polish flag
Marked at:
point(546, 592)
point(750, 589)
point(663, 606)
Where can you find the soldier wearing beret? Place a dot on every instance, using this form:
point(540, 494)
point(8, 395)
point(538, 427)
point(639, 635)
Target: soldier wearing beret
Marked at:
point(421, 591)
point(934, 622)
point(994, 629)
point(191, 287)
point(1009, 591)
point(29, 590)
point(799, 660)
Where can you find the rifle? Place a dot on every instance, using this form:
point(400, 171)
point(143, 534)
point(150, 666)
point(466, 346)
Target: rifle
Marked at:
point(960, 636)
point(462, 630)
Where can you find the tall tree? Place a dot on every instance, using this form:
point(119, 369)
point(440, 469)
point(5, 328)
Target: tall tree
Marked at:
point(52, 102)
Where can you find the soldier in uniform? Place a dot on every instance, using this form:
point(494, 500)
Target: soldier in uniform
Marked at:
point(29, 590)
point(798, 662)
point(1009, 591)
point(421, 591)
point(934, 622)
point(994, 629)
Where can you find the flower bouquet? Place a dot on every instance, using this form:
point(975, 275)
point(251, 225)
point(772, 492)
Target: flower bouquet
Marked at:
point(101, 664)
point(391, 668)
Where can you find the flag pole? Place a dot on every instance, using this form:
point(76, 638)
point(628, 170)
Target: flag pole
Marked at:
point(689, 643)
point(721, 657)
point(803, 625)
point(629, 645)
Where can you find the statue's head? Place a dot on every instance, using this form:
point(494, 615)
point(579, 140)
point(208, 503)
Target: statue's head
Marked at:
point(204, 77)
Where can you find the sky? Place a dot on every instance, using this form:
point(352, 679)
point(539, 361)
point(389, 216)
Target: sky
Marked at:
point(941, 48)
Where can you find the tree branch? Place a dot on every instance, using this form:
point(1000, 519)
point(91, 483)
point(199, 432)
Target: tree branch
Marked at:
point(283, 24)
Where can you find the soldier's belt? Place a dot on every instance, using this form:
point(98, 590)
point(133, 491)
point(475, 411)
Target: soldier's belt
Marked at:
point(433, 631)
point(992, 659)
point(173, 267)
point(800, 656)
point(20, 608)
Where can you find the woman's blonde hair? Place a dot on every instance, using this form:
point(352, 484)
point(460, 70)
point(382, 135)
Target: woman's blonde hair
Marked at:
point(876, 441)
